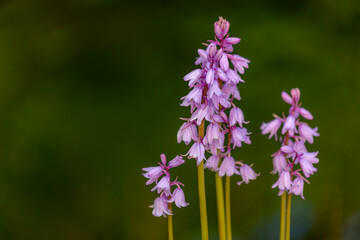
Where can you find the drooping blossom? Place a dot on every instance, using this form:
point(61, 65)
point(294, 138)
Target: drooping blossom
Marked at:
point(161, 176)
point(293, 159)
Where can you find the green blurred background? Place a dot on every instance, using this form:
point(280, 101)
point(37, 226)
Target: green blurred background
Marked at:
point(89, 94)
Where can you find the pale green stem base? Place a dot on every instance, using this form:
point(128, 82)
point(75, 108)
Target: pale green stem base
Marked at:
point(170, 224)
point(288, 216)
point(282, 216)
point(220, 206)
point(228, 209)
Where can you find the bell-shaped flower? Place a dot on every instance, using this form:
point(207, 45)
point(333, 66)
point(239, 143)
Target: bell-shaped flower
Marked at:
point(307, 132)
point(163, 185)
point(212, 163)
point(193, 77)
point(153, 173)
point(160, 207)
point(179, 198)
point(177, 161)
point(305, 113)
point(271, 127)
point(228, 167)
point(297, 187)
point(279, 162)
point(289, 126)
point(239, 135)
point(187, 133)
point(236, 116)
point(247, 174)
point(307, 167)
point(197, 151)
point(284, 181)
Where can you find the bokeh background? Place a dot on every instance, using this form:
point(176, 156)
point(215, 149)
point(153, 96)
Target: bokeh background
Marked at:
point(90, 94)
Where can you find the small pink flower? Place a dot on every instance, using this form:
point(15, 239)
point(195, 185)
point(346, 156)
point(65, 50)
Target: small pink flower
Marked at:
point(239, 135)
point(160, 207)
point(179, 198)
point(307, 167)
point(197, 151)
point(289, 126)
point(236, 116)
point(247, 174)
point(279, 162)
point(307, 132)
point(284, 181)
point(163, 185)
point(212, 163)
point(227, 167)
point(187, 133)
point(271, 127)
point(297, 187)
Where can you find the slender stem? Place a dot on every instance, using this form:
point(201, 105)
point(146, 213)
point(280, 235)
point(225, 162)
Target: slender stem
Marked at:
point(202, 197)
point(282, 216)
point(170, 224)
point(288, 216)
point(220, 206)
point(228, 212)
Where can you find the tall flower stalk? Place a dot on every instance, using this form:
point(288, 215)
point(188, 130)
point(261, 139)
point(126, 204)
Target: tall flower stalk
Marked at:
point(292, 159)
point(213, 88)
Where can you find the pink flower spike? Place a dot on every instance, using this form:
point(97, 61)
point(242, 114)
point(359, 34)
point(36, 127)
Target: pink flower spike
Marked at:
point(306, 114)
point(287, 98)
point(228, 167)
point(236, 116)
point(160, 207)
point(297, 187)
point(212, 163)
point(179, 198)
point(247, 174)
point(271, 127)
point(307, 132)
point(177, 161)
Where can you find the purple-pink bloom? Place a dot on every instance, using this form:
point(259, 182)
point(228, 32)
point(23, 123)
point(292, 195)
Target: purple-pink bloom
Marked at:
point(306, 114)
point(279, 162)
point(197, 151)
point(163, 185)
point(227, 167)
point(284, 181)
point(236, 116)
point(187, 133)
point(289, 126)
point(307, 167)
point(247, 174)
point(271, 127)
point(239, 135)
point(177, 161)
point(160, 207)
point(179, 198)
point(212, 163)
point(297, 187)
point(307, 132)
point(287, 98)
point(153, 173)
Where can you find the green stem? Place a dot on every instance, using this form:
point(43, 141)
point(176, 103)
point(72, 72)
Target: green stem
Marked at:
point(202, 197)
point(228, 212)
point(170, 224)
point(288, 216)
point(282, 216)
point(220, 206)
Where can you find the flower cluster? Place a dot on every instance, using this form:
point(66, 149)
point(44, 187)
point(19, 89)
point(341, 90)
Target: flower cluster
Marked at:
point(213, 89)
point(293, 152)
point(163, 187)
